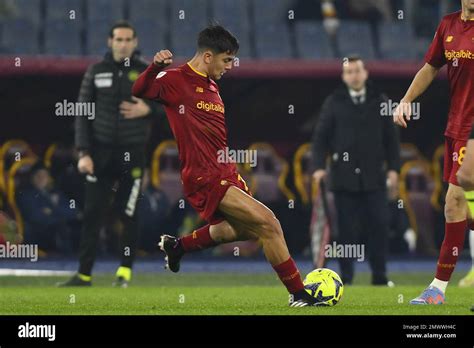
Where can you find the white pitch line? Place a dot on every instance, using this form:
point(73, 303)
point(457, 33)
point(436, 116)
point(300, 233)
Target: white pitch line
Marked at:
point(32, 272)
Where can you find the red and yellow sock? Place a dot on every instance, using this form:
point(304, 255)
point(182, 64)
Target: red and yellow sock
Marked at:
point(452, 246)
point(289, 276)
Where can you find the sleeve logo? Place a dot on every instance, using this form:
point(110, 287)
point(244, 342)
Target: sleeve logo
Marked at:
point(161, 74)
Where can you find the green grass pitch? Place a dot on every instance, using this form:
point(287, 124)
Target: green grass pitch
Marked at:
point(216, 294)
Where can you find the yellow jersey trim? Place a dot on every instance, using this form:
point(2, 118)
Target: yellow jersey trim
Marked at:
point(197, 72)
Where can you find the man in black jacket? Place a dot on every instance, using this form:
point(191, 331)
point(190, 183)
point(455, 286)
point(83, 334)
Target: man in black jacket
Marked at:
point(364, 155)
point(112, 148)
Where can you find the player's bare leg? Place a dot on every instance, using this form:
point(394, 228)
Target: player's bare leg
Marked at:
point(245, 218)
point(455, 212)
point(245, 213)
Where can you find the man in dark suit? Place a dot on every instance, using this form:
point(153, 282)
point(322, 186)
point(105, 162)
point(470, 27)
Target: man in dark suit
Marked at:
point(364, 155)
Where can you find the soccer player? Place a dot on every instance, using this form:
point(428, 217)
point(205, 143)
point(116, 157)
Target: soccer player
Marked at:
point(451, 46)
point(195, 112)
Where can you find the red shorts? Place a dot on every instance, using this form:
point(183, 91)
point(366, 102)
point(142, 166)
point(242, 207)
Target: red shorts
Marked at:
point(454, 151)
point(207, 197)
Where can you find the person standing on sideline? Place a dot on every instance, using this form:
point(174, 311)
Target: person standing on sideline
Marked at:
point(364, 149)
point(112, 148)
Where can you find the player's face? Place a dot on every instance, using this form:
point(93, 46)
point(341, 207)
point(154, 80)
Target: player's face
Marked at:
point(354, 75)
point(220, 64)
point(122, 44)
point(468, 5)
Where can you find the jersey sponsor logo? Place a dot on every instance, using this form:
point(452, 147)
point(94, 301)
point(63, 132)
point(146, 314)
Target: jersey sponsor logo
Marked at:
point(160, 74)
point(202, 105)
point(462, 54)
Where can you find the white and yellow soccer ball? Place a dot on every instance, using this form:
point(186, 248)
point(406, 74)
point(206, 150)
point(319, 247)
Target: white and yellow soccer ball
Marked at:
point(325, 286)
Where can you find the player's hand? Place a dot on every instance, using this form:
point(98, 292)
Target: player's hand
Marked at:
point(163, 58)
point(134, 110)
point(318, 175)
point(85, 165)
point(403, 110)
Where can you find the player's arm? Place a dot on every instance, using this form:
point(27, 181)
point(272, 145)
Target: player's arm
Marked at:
point(434, 61)
point(465, 174)
point(420, 83)
point(149, 85)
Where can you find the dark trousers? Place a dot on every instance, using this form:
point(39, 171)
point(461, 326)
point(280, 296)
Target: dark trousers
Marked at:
point(363, 213)
point(124, 164)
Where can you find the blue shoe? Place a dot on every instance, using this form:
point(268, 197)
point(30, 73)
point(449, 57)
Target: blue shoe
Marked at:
point(431, 295)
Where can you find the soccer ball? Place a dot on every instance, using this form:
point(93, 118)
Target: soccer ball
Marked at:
point(325, 286)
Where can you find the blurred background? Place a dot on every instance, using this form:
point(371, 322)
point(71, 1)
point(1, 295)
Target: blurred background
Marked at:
point(289, 61)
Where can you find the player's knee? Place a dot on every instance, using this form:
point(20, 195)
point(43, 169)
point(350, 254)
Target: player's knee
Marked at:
point(466, 181)
point(270, 226)
point(455, 204)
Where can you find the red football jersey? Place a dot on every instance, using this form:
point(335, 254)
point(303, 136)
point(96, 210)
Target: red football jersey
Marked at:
point(453, 45)
point(195, 113)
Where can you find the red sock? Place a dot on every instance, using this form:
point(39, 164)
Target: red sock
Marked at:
point(452, 246)
point(198, 240)
point(289, 275)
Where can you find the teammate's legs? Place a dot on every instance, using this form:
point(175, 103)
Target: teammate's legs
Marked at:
point(465, 177)
point(455, 212)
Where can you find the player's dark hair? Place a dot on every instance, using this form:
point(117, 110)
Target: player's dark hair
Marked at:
point(121, 24)
point(217, 39)
point(353, 58)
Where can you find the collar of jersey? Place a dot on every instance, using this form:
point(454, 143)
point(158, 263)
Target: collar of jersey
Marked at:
point(464, 20)
point(197, 72)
